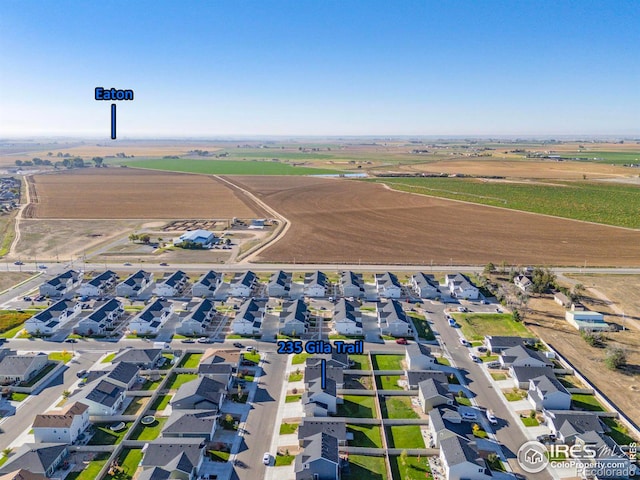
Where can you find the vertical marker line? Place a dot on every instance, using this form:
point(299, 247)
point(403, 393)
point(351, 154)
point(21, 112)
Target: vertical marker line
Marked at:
point(113, 121)
point(323, 374)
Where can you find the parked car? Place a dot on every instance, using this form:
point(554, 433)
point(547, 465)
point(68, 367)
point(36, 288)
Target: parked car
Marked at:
point(464, 343)
point(462, 309)
point(468, 415)
point(402, 341)
point(484, 302)
point(188, 340)
point(494, 364)
point(248, 363)
point(203, 340)
point(127, 264)
point(71, 340)
point(266, 458)
point(81, 373)
point(452, 322)
point(250, 348)
point(164, 264)
point(42, 267)
point(492, 418)
point(238, 345)
point(27, 299)
point(474, 358)
point(39, 298)
point(482, 349)
point(18, 263)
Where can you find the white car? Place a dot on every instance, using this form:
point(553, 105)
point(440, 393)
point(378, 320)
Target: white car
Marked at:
point(492, 418)
point(467, 415)
point(266, 458)
point(474, 358)
point(462, 309)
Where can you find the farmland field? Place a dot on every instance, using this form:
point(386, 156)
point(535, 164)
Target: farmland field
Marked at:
point(611, 204)
point(119, 193)
point(226, 167)
point(345, 221)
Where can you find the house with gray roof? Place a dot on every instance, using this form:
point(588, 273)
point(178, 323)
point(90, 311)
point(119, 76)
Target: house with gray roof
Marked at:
point(172, 285)
point(460, 286)
point(279, 284)
point(351, 284)
point(61, 285)
point(102, 396)
point(425, 286)
point(319, 459)
point(37, 458)
point(498, 343)
point(309, 427)
point(183, 458)
point(610, 461)
point(521, 356)
point(333, 359)
point(418, 357)
point(294, 318)
point(49, 321)
point(321, 402)
point(146, 358)
point(22, 474)
point(314, 372)
point(198, 319)
point(152, 318)
point(154, 473)
point(387, 285)
point(242, 284)
point(202, 393)
point(248, 319)
point(21, 368)
point(546, 392)
point(522, 375)
point(567, 425)
point(191, 424)
point(392, 319)
point(316, 284)
point(99, 285)
point(63, 426)
point(432, 394)
point(207, 285)
point(101, 319)
point(414, 377)
point(135, 284)
point(222, 372)
point(461, 461)
point(523, 282)
point(347, 319)
point(444, 422)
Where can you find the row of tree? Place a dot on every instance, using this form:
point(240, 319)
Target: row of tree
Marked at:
point(76, 162)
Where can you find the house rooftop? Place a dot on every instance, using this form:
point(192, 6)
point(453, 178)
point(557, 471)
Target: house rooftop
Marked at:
point(37, 458)
point(62, 419)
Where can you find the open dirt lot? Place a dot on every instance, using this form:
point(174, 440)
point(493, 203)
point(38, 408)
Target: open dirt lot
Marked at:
point(114, 193)
point(9, 279)
point(622, 290)
point(524, 169)
point(621, 387)
point(345, 221)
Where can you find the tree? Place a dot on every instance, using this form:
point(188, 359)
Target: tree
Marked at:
point(542, 279)
point(134, 237)
point(516, 316)
point(532, 414)
point(7, 451)
point(615, 358)
point(145, 238)
point(18, 163)
point(98, 161)
point(489, 268)
point(66, 394)
point(578, 291)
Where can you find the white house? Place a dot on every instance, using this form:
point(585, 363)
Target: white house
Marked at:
point(150, 320)
point(586, 320)
point(98, 285)
point(387, 285)
point(198, 319)
point(205, 238)
point(418, 357)
point(242, 284)
point(249, 318)
point(432, 394)
point(207, 284)
point(521, 356)
point(351, 284)
point(320, 458)
point(523, 282)
point(294, 318)
point(103, 397)
point(135, 284)
point(49, 321)
point(21, 368)
point(315, 284)
point(172, 285)
point(461, 287)
point(64, 426)
point(279, 284)
point(425, 286)
point(460, 460)
point(347, 319)
point(546, 392)
point(100, 319)
point(317, 400)
point(61, 285)
point(392, 320)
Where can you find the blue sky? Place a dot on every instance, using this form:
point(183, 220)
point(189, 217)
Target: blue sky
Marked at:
point(322, 67)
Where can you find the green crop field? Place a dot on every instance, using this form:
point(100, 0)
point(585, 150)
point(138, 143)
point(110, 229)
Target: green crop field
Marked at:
point(226, 167)
point(620, 158)
point(610, 204)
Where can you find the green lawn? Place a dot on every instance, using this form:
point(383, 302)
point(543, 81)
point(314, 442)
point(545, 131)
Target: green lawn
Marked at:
point(252, 356)
point(161, 402)
point(283, 460)
point(488, 358)
point(619, 433)
point(64, 357)
point(91, 470)
point(11, 322)
point(19, 397)
point(177, 380)
point(292, 398)
point(608, 203)
point(152, 384)
point(129, 459)
point(135, 405)
point(41, 374)
point(365, 436)
point(288, 428)
point(149, 432)
point(388, 382)
point(357, 406)
point(190, 360)
point(404, 436)
point(109, 358)
point(530, 422)
point(586, 402)
point(476, 325)
point(295, 376)
point(218, 456)
point(397, 407)
point(105, 436)
point(498, 376)
point(413, 469)
point(463, 401)
point(422, 326)
point(515, 394)
point(299, 358)
point(364, 467)
point(361, 362)
point(228, 167)
point(387, 362)
point(443, 361)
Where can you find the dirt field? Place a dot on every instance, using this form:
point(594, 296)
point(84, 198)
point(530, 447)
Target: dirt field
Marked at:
point(622, 388)
point(9, 279)
point(623, 290)
point(344, 221)
point(524, 169)
point(114, 193)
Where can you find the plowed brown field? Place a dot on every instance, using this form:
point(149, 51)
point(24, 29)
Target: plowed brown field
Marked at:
point(346, 221)
point(114, 193)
